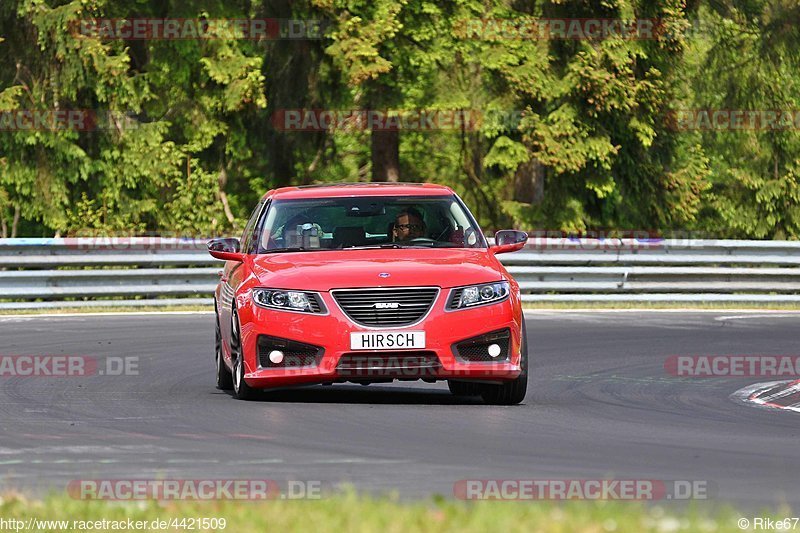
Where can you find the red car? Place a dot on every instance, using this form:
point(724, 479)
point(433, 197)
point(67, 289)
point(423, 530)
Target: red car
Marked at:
point(368, 283)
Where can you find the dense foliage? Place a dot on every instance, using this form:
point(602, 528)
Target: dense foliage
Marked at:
point(568, 133)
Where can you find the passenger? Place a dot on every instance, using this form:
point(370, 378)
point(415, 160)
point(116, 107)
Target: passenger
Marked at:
point(408, 225)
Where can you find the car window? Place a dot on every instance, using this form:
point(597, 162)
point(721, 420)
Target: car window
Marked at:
point(250, 229)
point(255, 235)
point(346, 223)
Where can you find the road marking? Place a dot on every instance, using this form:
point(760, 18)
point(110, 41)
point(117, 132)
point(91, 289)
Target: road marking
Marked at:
point(597, 378)
point(748, 395)
point(246, 436)
point(359, 460)
point(761, 315)
point(255, 462)
point(43, 436)
point(192, 461)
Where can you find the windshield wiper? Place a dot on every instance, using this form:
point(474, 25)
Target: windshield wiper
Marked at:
point(383, 246)
point(291, 249)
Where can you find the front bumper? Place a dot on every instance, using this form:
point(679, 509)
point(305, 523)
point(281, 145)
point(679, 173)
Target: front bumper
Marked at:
point(335, 362)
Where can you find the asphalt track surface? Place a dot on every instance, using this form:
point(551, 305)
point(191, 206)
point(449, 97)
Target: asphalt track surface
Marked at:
point(600, 405)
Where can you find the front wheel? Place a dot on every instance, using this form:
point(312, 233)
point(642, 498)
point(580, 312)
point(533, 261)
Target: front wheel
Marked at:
point(512, 392)
point(241, 389)
point(224, 376)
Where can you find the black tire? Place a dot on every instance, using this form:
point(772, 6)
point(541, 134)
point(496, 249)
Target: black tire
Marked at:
point(460, 388)
point(241, 389)
point(224, 376)
point(512, 392)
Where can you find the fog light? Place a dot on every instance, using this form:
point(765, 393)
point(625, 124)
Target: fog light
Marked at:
point(494, 350)
point(276, 356)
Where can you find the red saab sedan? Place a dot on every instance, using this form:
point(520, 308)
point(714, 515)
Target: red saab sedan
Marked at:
point(369, 283)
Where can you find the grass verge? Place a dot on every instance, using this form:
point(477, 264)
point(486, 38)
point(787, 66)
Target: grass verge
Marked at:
point(350, 512)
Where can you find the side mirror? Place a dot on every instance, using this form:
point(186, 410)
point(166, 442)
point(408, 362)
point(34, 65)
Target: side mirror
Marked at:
point(508, 240)
point(225, 249)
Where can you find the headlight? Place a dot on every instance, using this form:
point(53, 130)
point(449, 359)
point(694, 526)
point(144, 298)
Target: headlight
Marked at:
point(305, 302)
point(475, 295)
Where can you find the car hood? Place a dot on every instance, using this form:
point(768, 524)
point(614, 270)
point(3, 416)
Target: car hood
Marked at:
point(326, 270)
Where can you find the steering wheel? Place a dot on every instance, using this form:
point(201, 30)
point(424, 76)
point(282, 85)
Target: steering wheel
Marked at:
point(422, 239)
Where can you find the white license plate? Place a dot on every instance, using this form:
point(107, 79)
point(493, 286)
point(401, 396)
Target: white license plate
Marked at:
point(387, 340)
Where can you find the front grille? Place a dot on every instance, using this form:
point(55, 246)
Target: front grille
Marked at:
point(388, 364)
point(477, 348)
point(386, 307)
point(295, 354)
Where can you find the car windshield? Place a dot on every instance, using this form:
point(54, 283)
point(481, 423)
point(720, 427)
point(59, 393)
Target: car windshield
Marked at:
point(368, 222)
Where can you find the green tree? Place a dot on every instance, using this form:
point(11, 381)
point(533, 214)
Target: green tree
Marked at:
point(169, 119)
point(593, 148)
point(750, 55)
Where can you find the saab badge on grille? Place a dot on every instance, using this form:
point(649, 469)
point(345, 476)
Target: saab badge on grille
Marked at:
point(387, 305)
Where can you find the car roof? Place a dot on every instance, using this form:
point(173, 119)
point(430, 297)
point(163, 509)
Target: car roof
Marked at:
point(340, 190)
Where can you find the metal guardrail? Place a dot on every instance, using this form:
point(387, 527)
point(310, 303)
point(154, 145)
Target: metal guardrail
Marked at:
point(90, 272)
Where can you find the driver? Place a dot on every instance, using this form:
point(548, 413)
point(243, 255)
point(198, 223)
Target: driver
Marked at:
point(408, 225)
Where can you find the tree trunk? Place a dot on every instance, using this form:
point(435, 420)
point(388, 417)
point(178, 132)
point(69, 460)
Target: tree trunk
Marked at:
point(386, 155)
point(15, 222)
point(222, 180)
point(529, 182)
